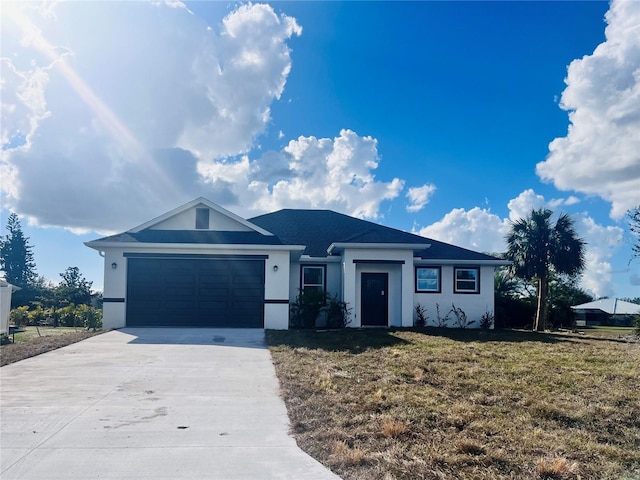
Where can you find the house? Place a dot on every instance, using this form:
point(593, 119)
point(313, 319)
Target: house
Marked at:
point(201, 265)
point(6, 290)
point(607, 311)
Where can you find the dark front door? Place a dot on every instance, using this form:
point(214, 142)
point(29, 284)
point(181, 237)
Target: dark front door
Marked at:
point(374, 299)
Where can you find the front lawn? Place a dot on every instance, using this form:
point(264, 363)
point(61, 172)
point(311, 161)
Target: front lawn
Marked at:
point(463, 404)
point(36, 340)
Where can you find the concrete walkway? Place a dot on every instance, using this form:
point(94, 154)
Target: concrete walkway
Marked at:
point(150, 404)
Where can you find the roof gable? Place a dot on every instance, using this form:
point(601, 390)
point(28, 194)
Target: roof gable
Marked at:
point(183, 218)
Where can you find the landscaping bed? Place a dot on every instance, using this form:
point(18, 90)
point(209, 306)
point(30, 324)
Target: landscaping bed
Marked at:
point(464, 404)
point(34, 341)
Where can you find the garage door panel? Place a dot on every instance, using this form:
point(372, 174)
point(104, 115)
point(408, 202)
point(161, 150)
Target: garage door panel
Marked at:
point(190, 292)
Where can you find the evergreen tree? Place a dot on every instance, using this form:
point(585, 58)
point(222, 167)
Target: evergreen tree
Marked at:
point(16, 255)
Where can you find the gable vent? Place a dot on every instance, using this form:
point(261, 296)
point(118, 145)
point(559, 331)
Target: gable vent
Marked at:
point(202, 219)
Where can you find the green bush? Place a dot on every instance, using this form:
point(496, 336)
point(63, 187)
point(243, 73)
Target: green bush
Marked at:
point(19, 316)
point(338, 313)
point(82, 316)
point(310, 305)
point(91, 317)
point(306, 309)
point(38, 316)
point(68, 316)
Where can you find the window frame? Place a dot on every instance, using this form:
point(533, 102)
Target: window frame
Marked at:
point(200, 221)
point(431, 267)
point(457, 289)
point(324, 277)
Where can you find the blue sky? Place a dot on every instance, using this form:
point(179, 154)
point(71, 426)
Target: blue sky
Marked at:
point(448, 119)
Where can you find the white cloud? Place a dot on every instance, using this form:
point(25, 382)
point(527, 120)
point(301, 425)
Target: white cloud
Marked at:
point(121, 106)
point(600, 154)
point(602, 242)
point(419, 196)
point(122, 124)
point(481, 230)
point(323, 173)
point(521, 206)
point(476, 229)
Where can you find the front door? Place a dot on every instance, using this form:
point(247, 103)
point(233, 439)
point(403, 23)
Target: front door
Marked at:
point(374, 296)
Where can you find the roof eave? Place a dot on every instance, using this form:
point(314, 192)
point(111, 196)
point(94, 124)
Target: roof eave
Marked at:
point(445, 261)
point(100, 246)
point(339, 246)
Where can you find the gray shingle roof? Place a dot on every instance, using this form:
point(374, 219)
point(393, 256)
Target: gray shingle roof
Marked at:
point(318, 229)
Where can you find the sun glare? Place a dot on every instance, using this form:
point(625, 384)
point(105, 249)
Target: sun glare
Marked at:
point(32, 36)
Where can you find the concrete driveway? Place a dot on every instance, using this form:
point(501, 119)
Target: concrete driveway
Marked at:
point(149, 404)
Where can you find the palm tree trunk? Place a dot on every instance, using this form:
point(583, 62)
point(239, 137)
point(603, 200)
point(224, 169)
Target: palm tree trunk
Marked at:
point(541, 311)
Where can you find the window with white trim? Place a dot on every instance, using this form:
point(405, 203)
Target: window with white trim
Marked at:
point(466, 280)
point(428, 279)
point(313, 278)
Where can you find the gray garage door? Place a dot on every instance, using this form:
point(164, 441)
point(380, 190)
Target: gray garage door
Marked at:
point(200, 292)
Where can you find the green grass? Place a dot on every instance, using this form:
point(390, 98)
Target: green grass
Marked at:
point(31, 333)
point(463, 404)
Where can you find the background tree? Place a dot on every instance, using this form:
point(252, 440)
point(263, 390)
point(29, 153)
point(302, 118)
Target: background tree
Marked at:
point(17, 262)
point(563, 294)
point(634, 225)
point(74, 288)
point(536, 247)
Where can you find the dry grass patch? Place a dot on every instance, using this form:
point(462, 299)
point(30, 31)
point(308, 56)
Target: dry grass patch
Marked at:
point(34, 341)
point(463, 404)
point(556, 468)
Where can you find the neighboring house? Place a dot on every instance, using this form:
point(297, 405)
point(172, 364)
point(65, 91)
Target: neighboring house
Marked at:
point(201, 265)
point(608, 311)
point(6, 290)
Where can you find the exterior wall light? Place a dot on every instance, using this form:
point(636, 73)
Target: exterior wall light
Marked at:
point(114, 265)
point(275, 268)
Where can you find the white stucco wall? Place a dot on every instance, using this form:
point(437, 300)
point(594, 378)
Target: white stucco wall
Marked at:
point(474, 305)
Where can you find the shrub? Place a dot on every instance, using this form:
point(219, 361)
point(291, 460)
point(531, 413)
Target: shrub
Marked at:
point(310, 306)
point(38, 316)
point(421, 315)
point(338, 313)
point(306, 309)
point(487, 320)
point(461, 317)
point(68, 316)
point(19, 316)
point(441, 321)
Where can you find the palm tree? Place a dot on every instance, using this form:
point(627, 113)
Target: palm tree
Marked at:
point(536, 246)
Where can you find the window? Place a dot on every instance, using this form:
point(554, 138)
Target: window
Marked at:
point(428, 279)
point(202, 219)
point(466, 280)
point(313, 278)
